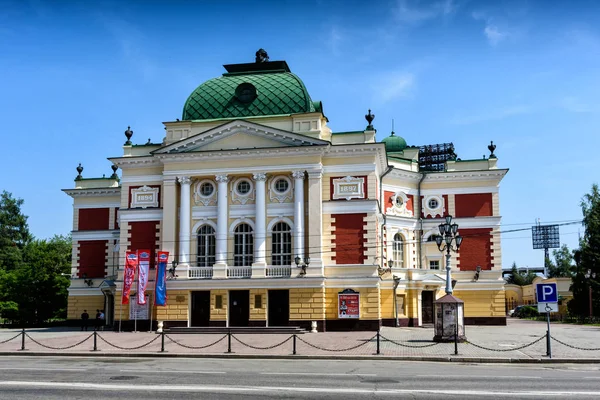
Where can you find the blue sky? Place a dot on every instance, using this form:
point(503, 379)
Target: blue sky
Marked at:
point(525, 74)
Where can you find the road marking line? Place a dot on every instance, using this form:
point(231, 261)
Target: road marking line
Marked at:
point(41, 369)
point(271, 389)
point(477, 377)
point(171, 371)
point(315, 374)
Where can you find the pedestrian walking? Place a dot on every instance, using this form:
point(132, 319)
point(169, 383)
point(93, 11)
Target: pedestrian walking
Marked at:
point(102, 319)
point(84, 320)
point(97, 322)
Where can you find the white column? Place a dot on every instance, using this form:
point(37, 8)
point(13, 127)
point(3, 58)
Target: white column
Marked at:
point(260, 235)
point(315, 223)
point(222, 215)
point(298, 214)
point(184, 220)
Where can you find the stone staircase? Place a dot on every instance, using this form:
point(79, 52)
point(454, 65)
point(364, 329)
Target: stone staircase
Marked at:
point(290, 330)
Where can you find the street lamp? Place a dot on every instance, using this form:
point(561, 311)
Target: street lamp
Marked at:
point(396, 282)
point(302, 264)
point(589, 275)
point(448, 234)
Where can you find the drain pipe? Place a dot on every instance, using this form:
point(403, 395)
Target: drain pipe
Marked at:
point(420, 238)
point(379, 203)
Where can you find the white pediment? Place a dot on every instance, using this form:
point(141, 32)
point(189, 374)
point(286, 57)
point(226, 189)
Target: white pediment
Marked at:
point(240, 135)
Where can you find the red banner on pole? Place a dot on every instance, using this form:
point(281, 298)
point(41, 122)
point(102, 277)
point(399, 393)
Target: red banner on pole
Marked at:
point(131, 264)
point(143, 271)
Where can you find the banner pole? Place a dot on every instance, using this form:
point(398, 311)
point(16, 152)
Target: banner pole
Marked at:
point(121, 312)
point(151, 310)
point(135, 313)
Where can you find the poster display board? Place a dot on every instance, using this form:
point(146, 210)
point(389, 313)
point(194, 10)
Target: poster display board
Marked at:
point(348, 304)
point(139, 311)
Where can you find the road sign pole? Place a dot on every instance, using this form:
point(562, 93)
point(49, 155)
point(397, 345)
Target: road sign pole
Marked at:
point(548, 337)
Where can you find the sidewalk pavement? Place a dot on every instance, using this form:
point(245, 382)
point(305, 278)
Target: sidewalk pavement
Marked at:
point(519, 341)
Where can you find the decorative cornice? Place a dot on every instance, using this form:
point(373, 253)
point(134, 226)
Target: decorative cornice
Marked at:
point(141, 215)
point(265, 152)
point(141, 179)
point(93, 192)
point(135, 161)
point(406, 175)
point(95, 235)
point(480, 175)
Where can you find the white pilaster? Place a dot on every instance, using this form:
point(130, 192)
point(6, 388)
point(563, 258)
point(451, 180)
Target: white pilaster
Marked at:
point(315, 223)
point(260, 234)
point(219, 269)
point(298, 214)
point(185, 212)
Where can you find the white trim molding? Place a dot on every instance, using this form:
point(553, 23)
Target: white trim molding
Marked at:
point(142, 178)
point(140, 215)
point(357, 206)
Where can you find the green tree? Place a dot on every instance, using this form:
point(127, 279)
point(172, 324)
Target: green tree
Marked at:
point(14, 231)
point(563, 265)
point(520, 278)
point(587, 258)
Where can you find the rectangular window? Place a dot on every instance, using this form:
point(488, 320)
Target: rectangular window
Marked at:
point(257, 301)
point(434, 264)
point(219, 301)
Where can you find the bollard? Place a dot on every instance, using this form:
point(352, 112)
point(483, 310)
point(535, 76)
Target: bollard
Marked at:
point(377, 341)
point(23, 339)
point(229, 340)
point(95, 341)
point(294, 341)
point(162, 341)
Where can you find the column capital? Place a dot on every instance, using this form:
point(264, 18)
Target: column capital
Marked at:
point(259, 176)
point(222, 178)
point(315, 174)
point(184, 180)
point(298, 174)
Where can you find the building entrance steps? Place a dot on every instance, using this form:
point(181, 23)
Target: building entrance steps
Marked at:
point(290, 330)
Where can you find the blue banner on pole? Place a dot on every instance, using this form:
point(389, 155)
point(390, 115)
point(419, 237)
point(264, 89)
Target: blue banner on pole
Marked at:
point(161, 279)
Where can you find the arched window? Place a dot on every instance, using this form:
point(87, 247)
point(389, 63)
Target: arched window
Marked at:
point(243, 248)
point(206, 246)
point(281, 248)
point(398, 251)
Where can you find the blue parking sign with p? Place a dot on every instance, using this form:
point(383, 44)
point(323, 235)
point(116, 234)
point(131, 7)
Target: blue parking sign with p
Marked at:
point(546, 293)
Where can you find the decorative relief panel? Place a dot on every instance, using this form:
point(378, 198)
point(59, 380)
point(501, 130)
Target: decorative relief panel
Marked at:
point(242, 190)
point(433, 206)
point(144, 197)
point(399, 205)
point(348, 188)
point(280, 189)
point(205, 192)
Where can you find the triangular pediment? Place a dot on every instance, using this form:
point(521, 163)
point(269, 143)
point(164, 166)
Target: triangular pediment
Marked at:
point(240, 135)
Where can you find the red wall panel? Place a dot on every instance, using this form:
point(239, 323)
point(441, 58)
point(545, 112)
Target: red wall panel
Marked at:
point(475, 249)
point(143, 237)
point(387, 198)
point(92, 258)
point(93, 219)
point(349, 242)
point(473, 205)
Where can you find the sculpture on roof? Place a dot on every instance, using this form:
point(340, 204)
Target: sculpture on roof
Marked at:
point(262, 56)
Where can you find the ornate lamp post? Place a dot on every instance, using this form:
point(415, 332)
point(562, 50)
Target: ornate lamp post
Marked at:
point(449, 317)
point(302, 264)
point(448, 234)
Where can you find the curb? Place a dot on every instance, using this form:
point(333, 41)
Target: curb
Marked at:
point(458, 359)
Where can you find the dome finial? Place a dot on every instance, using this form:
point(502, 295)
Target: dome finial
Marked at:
point(370, 117)
point(491, 148)
point(128, 135)
point(392, 127)
point(79, 171)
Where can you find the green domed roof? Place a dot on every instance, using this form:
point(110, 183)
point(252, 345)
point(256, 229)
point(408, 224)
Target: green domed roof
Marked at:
point(249, 90)
point(394, 143)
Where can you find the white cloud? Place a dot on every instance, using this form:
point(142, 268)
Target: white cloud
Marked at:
point(414, 12)
point(491, 115)
point(393, 86)
point(492, 31)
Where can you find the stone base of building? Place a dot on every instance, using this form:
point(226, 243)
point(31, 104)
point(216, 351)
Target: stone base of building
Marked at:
point(485, 321)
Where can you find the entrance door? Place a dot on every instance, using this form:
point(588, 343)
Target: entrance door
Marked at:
point(279, 307)
point(200, 315)
point(239, 307)
point(427, 307)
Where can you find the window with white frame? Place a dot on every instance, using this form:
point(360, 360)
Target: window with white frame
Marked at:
point(206, 246)
point(398, 251)
point(281, 247)
point(434, 264)
point(243, 247)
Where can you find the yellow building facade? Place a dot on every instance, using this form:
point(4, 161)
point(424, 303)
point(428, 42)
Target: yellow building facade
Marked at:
point(273, 219)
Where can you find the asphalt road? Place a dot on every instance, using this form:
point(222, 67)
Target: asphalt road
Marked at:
point(68, 378)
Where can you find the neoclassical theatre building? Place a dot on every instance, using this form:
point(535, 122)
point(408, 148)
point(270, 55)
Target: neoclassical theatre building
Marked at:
point(272, 219)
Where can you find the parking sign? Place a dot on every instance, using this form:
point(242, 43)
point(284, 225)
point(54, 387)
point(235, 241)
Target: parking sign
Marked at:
point(546, 293)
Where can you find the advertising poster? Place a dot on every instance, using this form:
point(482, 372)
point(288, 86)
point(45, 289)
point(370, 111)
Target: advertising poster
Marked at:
point(348, 304)
point(139, 311)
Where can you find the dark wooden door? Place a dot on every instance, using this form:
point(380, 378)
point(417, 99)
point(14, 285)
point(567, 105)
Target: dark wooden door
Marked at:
point(427, 307)
point(200, 308)
point(279, 307)
point(239, 307)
